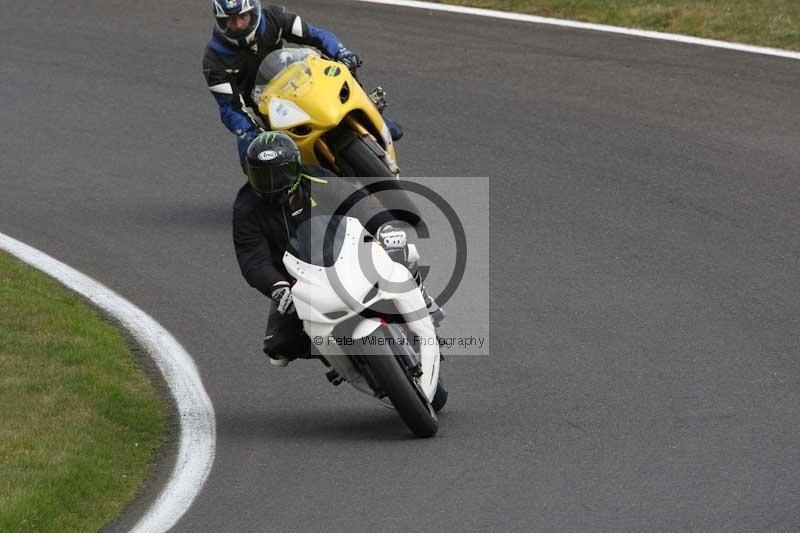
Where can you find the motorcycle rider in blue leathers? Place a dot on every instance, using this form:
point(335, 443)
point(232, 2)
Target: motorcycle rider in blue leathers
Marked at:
point(243, 35)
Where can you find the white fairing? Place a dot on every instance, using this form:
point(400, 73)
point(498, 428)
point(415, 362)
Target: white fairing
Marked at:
point(342, 288)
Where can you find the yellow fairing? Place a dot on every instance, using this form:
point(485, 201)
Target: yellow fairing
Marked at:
point(317, 87)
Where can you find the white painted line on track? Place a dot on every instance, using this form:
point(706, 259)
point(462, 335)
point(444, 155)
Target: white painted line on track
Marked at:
point(195, 411)
point(589, 26)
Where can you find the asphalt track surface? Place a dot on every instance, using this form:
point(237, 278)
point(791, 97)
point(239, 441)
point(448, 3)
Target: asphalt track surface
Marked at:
point(643, 370)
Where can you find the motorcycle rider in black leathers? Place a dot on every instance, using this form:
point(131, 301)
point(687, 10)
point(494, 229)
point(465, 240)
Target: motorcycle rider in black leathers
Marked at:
point(280, 194)
point(243, 35)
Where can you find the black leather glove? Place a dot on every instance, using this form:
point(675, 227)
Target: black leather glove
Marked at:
point(350, 59)
point(394, 240)
point(282, 296)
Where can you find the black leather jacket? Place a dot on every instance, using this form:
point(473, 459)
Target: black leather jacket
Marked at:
point(261, 230)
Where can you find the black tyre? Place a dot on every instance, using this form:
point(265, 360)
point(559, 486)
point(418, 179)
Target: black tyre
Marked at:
point(401, 389)
point(362, 160)
point(440, 398)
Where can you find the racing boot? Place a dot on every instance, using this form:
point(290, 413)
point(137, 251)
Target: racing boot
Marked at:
point(277, 360)
point(274, 358)
point(282, 360)
point(394, 129)
point(284, 340)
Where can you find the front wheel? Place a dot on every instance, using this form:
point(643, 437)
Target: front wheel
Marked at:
point(360, 159)
point(401, 388)
point(440, 398)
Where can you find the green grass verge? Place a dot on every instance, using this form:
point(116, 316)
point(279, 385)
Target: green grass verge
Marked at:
point(774, 23)
point(79, 422)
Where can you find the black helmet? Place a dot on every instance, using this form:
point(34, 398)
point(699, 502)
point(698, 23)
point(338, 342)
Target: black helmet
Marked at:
point(225, 9)
point(273, 165)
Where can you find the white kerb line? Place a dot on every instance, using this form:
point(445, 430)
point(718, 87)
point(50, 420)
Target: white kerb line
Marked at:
point(520, 17)
point(195, 412)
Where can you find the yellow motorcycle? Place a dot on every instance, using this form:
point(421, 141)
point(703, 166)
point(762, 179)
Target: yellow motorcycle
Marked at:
point(335, 123)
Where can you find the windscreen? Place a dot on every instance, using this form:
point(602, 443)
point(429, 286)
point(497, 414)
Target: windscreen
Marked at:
point(318, 240)
point(276, 61)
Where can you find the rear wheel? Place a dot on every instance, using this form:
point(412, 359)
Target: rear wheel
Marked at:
point(401, 388)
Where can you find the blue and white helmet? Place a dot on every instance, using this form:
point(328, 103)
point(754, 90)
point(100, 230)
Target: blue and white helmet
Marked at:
point(225, 9)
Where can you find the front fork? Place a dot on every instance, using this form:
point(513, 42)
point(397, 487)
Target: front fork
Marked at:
point(325, 151)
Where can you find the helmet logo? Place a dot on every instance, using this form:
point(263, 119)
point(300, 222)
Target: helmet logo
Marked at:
point(230, 4)
point(267, 155)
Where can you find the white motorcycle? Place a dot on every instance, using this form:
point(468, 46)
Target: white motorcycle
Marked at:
point(367, 318)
